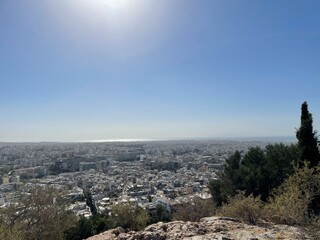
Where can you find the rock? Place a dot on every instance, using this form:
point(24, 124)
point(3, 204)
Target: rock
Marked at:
point(205, 229)
point(123, 236)
point(245, 235)
point(120, 230)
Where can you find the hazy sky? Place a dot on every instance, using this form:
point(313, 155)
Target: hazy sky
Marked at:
point(74, 70)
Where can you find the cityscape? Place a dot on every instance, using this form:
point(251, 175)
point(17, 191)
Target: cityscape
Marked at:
point(145, 173)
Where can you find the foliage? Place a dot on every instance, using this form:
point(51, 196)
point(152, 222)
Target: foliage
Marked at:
point(227, 181)
point(129, 216)
point(91, 203)
point(252, 176)
point(246, 208)
point(291, 203)
point(280, 164)
point(218, 190)
point(313, 229)
point(307, 139)
point(257, 172)
point(160, 215)
point(87, 227)
point(194, 210)
point(11, 233)
point(82, 230)
point(39, 215)
point(308, 145)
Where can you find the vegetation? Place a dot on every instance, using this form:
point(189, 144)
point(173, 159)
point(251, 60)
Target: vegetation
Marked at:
point(307, 139)
point(247, 209)
point(194, 210)
point(39, 215)
point(290, 203)
point(10, 233)
point(129, 216)
point(90, 202)
point(160, 215)
point(279, 184)
point(257, 172)
point(86, 227)
point(42, 214)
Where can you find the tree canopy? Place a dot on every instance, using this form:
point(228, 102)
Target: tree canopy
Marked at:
point(307, 139)
point(256, 172)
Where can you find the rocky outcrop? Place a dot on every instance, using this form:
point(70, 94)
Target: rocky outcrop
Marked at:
point(207, 228)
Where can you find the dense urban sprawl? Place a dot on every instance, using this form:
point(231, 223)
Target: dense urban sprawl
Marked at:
point(144, 173)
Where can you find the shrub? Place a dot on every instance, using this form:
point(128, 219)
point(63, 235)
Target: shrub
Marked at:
point(194, 210)
point(87, 227)
point(159, 215)
point(41, 214)
point(10, 233)
point(292, 202)
point(313, 229)
point(247, 209)
point(129, 216)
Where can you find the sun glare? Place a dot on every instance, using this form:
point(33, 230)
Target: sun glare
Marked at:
point(116, 3)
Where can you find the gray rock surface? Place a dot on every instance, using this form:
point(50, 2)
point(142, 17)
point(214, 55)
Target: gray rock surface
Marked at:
point(209, 228)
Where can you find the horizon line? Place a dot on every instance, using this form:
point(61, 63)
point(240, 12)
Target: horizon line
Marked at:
point(289, 138)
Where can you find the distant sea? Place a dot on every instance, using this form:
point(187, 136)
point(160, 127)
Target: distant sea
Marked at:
point(240, 139)
point(125, 140)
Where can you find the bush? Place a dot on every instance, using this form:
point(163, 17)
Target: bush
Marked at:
point(129, 216)
point(160, 215)
point(40, 214)
point(292, 202)
point(194, 210)
point(87, 227)
point(10, 233)
point(313, 230)
point(247, 209)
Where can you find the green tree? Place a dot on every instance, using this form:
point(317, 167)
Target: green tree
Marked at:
point(247, 173)
point(160, 215)
point(227, 181)
point(91, 203)
point(87, 227)
point(82, 230)
point(307, 139)
point(100, 223)
point(280, 163)
point(253, 174)
point(217, 190)
point(257, 172)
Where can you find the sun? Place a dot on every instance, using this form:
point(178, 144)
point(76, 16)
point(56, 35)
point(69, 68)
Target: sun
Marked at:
point(116, 3)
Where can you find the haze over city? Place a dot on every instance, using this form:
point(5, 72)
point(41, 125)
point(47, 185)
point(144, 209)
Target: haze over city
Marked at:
point(83, 70)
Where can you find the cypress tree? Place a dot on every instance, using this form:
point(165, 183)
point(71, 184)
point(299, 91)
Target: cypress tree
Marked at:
point(307, 139)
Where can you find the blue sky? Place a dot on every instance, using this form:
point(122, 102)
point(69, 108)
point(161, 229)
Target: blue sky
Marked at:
point(75, 70)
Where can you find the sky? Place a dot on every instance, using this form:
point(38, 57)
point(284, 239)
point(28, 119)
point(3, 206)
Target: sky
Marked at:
point(80, 70)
